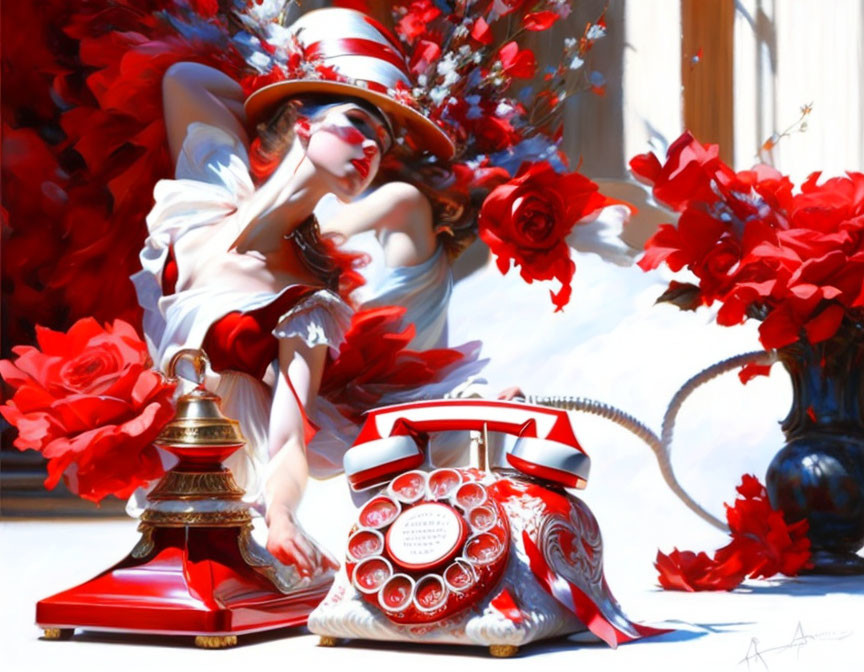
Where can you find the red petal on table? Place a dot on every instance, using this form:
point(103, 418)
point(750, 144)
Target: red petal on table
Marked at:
point(691, 572)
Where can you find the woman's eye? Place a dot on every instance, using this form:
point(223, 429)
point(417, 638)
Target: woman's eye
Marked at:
point(366, 129)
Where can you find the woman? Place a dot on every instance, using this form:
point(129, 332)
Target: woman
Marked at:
point(227, 260)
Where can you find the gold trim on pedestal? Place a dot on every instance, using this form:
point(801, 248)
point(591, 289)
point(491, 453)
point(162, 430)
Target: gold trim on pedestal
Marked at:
point(324, 640)
point(57, 633)
point(503, 650)
point(215, 641)
point(196, 485)
point(236, 518)
point(145, 544)
point(200, 433)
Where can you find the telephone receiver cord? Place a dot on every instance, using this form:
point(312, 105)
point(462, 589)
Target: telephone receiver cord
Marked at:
point(661, 445)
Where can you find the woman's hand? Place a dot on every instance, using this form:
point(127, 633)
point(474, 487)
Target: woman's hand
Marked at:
point(289, 544)
point(511, 393)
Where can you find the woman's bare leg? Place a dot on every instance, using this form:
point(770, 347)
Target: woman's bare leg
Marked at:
point(300, 370)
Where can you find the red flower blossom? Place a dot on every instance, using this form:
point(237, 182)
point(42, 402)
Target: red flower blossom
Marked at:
point(516, 62)
point(527, 220)
point(538, 21)
point(763, 544)
point(106, 66)
point(425, 53)
point(88, 401)
point(687, 571)
point(481, 32)
point(757, 247)
point(414, 24)
point(492, 134)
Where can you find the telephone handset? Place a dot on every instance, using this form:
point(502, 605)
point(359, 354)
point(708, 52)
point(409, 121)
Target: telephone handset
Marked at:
point(546, 447)
point(497, 557)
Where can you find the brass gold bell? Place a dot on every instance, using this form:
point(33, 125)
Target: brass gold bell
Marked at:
point(198, 421)
point(199, 491)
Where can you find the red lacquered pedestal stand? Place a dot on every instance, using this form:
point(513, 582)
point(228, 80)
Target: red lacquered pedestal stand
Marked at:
point(196, 569)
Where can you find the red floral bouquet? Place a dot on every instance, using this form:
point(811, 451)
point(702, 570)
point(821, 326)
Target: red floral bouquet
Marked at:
point(762, 545)
point(90, 403)
point(793, 260)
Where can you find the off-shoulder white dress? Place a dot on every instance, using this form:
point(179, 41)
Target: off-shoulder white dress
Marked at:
point(212, 179)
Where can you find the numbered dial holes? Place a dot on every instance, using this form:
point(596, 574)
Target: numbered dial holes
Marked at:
point(428, 546)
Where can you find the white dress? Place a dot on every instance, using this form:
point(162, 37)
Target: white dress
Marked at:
point(211, 179)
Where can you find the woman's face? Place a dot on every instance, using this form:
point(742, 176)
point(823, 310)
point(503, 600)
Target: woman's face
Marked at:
point(346, 144)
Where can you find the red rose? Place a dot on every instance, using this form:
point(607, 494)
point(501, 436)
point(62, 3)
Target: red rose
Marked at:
point(687, 175)
point(492, 134)
point(527, 221)
point(90, 403)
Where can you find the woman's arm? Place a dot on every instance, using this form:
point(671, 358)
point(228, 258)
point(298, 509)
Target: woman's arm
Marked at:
point(193, 92)
point(397, 211)
point(300, 371)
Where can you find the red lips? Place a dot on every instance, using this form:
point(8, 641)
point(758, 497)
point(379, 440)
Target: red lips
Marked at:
point(361, 166)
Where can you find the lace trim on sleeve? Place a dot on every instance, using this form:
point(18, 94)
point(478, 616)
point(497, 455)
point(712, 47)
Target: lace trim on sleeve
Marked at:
point(321, 318)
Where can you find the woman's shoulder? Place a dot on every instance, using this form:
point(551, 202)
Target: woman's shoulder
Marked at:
point(402, 193)
point(406, 205)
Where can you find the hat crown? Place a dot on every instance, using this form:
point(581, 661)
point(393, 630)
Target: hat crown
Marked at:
point(346, 52)
point(355, 45)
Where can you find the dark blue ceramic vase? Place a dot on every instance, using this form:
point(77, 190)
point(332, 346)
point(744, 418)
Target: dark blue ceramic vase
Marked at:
point(819, 473)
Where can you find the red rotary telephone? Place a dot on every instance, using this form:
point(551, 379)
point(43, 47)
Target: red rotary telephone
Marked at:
point(498, 557)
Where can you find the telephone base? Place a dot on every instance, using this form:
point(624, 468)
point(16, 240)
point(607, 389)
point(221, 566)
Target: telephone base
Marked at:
point(552, 583)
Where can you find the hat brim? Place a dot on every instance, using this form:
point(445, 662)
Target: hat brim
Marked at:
point(424, 133)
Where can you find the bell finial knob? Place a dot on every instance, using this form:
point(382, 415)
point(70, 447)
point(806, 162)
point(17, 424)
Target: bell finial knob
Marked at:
point(199, 421)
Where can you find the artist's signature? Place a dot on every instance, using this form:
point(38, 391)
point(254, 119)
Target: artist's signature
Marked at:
point(757, 653)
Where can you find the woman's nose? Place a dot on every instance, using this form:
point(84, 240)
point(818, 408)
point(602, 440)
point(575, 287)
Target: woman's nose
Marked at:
point(370, 149)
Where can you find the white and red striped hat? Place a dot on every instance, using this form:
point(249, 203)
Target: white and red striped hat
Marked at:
point(368, 58)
